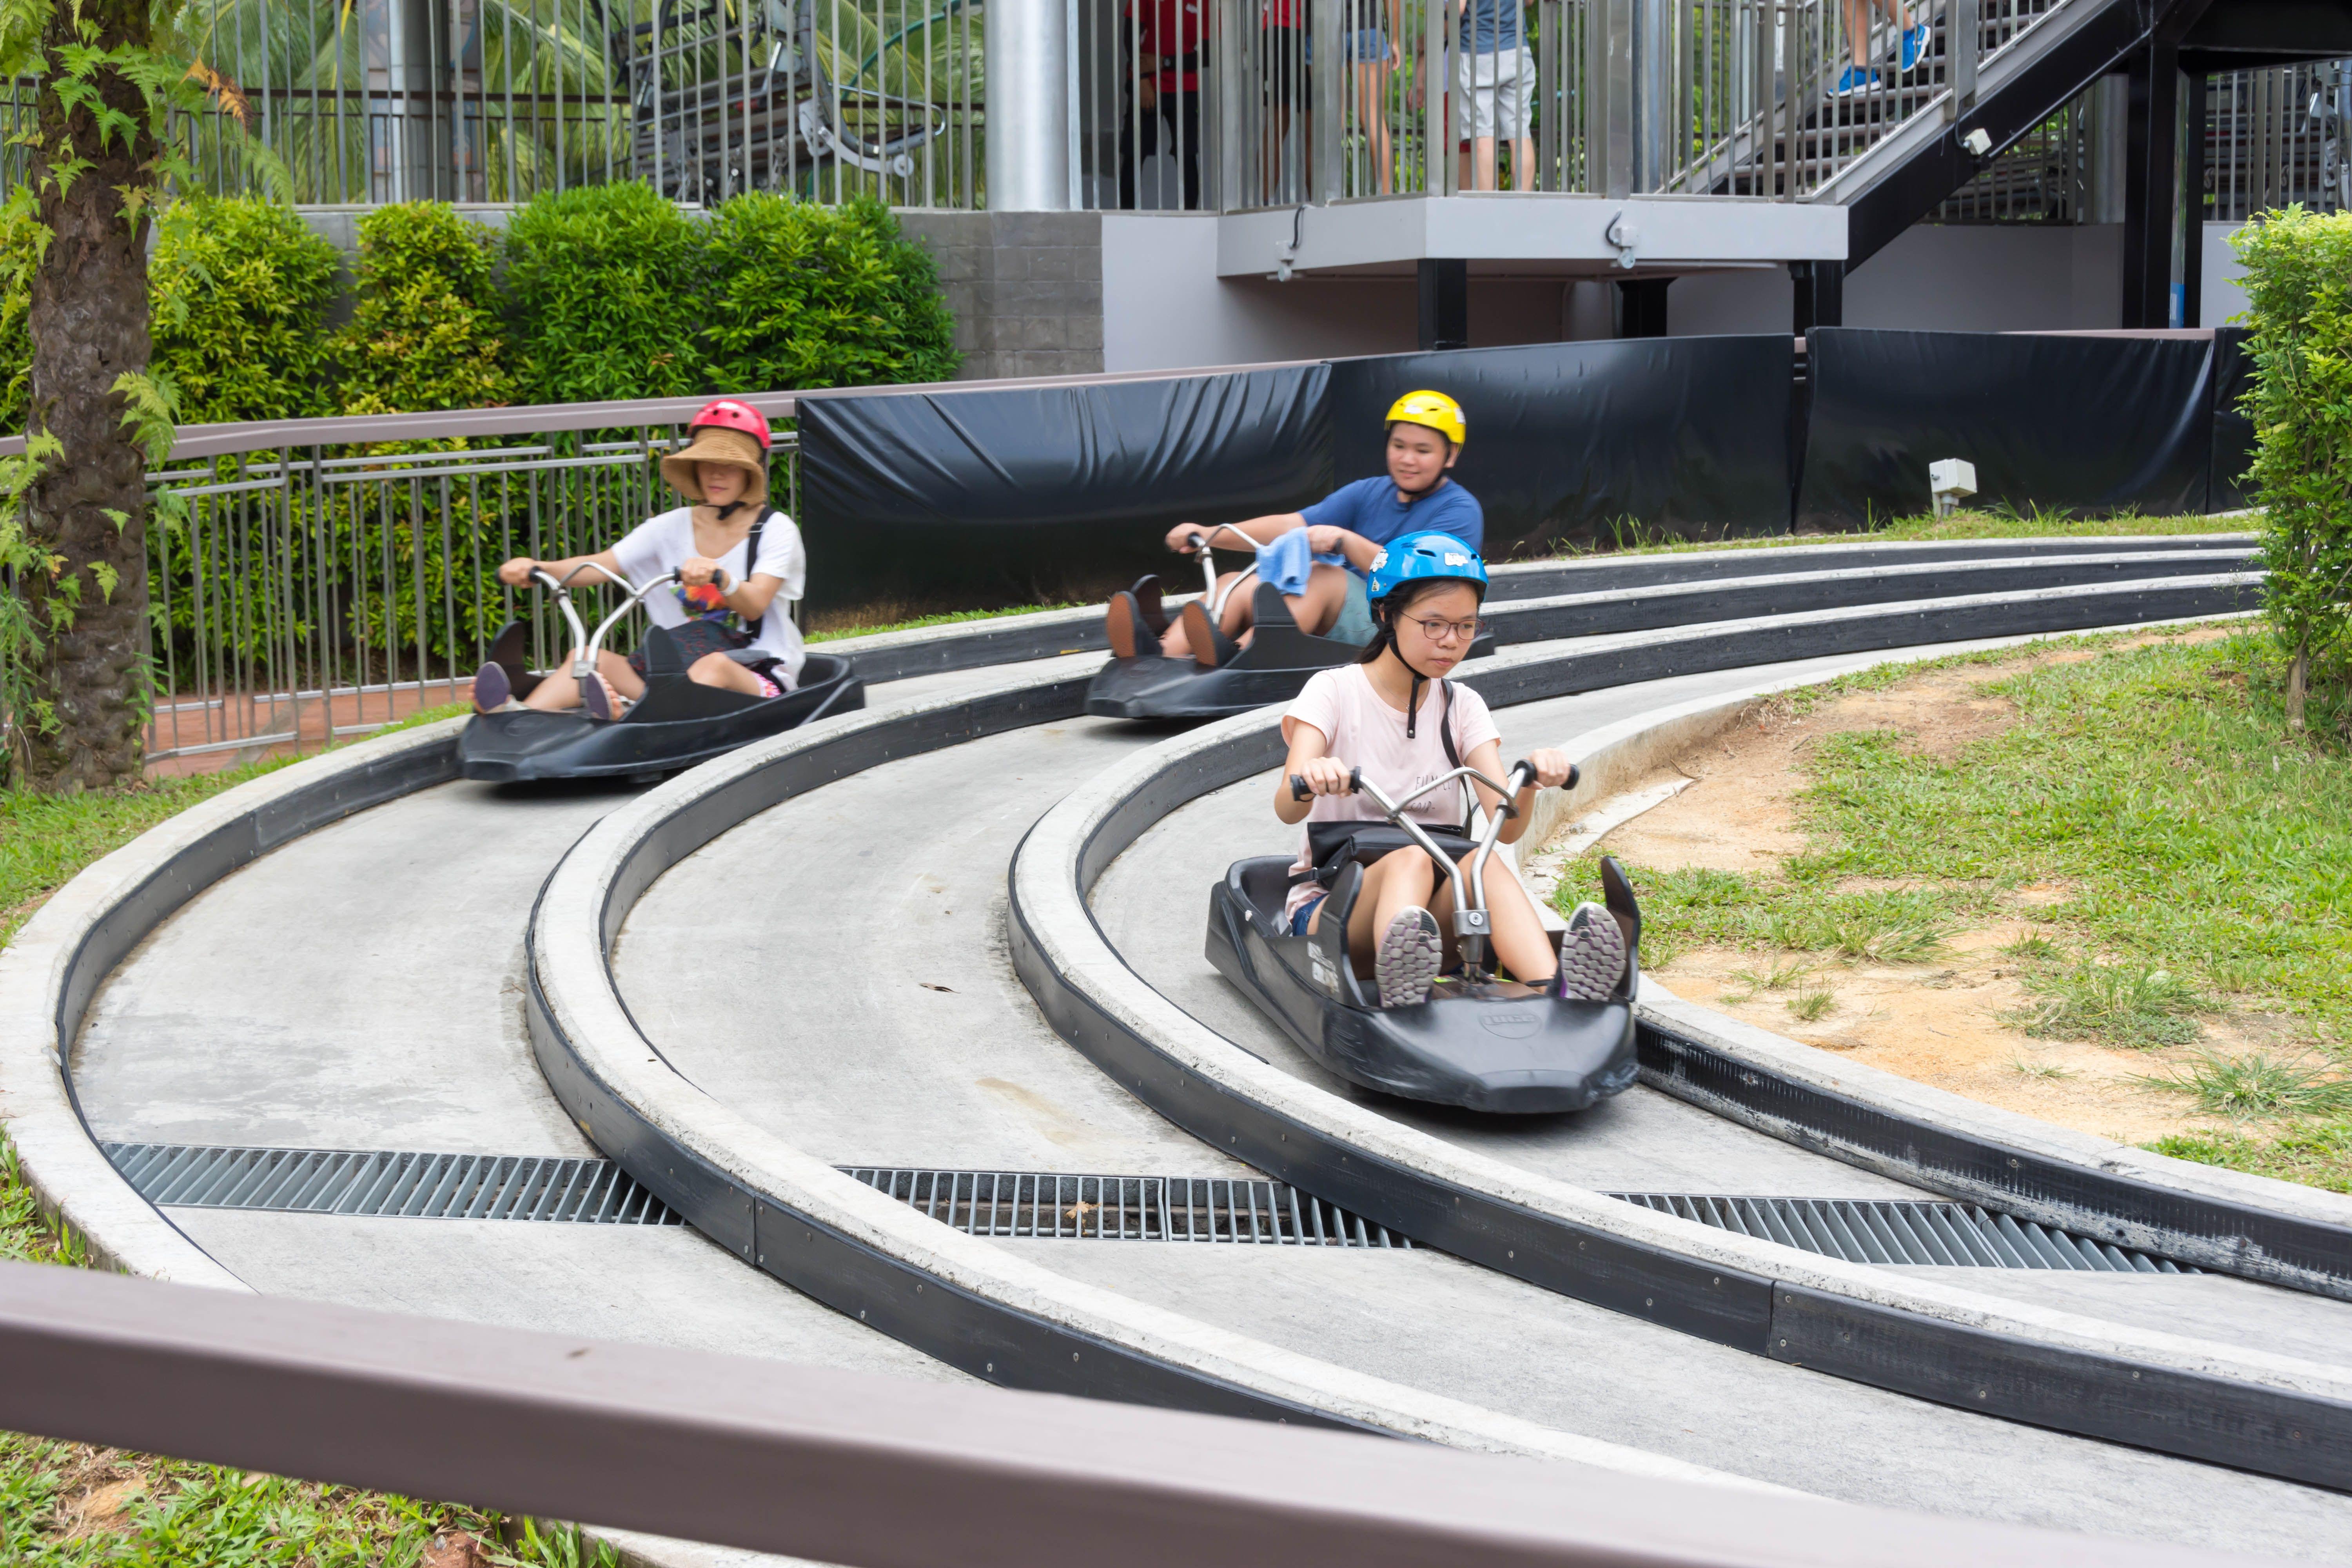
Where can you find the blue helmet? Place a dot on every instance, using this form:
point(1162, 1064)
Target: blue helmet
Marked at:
point(1420, 556)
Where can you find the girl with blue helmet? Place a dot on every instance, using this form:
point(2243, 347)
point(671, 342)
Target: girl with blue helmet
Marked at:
point(1395, 715)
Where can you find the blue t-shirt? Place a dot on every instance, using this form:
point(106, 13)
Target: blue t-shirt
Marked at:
point(1369, 507)
point(1491, 26)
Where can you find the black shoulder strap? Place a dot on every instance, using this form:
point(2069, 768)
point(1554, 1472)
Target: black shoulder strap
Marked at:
point(1445, 726)
point(752, 557)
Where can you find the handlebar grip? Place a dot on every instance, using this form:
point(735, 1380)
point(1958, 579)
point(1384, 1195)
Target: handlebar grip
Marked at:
point(1355, 780)
point(1197, 539)
point(1574, 773)
point(1298, 790)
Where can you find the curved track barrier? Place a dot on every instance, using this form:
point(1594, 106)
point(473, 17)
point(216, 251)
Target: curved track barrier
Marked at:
point(2199, 1399)
point(1677, 585)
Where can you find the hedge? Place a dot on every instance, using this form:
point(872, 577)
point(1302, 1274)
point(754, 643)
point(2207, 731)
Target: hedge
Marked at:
point(2299, 286)
point(606, 286)
point(425, 332)
point(608, 293)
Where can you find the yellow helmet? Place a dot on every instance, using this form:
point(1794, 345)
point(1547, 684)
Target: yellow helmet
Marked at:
point(1432, 410)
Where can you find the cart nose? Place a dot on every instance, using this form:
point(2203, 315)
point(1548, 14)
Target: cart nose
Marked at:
point(505, 748)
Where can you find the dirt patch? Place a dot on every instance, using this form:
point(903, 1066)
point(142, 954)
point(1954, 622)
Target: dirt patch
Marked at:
point(1937, 1023)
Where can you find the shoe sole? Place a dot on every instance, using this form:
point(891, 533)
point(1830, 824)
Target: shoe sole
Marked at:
point(491, 688)
point(1201, 635)
point(1592, 957)
point(592, 698)
point(1120, 625)
point(1409, 958)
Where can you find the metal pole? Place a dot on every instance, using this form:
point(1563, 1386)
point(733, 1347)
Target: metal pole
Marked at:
point(1028, 94)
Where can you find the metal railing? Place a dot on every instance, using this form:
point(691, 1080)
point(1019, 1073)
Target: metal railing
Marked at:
point(2278, 136)
point(310, 584)
point(869, 1471)
point(1201, 105)
point(496, 100)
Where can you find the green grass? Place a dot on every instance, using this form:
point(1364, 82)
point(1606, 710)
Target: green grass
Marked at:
point(2256, 1085)
point(2207, 854)
point(949, 617)
point(1631, 536)
point(154, 1512)
point(2316, 1154)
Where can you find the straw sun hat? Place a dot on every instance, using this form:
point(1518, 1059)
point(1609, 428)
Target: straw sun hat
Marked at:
point(713, 445)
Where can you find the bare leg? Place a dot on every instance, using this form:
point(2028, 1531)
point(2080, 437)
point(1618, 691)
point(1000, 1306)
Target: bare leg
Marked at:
point(1373, 112)
point(1176, 644)
point(1857, 30)
point(1398, 881)
point(718, 669)
point(1485, 157)
point(559, 691)
point(1523, 163)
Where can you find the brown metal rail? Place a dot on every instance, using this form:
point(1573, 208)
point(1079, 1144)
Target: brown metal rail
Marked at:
point(869, 1471)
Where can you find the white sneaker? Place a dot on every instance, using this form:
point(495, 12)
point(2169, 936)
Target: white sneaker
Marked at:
point(1410, 955)
point(1591, 955)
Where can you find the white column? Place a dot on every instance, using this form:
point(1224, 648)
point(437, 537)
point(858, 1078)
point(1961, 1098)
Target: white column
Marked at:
point(1028, 66)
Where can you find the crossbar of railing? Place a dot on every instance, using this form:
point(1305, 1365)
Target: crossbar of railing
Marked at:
point(869, 1471)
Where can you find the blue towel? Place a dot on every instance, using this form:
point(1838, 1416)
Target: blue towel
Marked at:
point(1286, 560)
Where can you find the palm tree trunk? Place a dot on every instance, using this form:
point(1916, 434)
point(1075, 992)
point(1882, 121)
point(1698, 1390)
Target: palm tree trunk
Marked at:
point(87, 510)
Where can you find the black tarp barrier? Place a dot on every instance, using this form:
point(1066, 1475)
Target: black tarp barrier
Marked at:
point(1027, 493)
point(1687, 435)
point(2234, 432)
point(2089, 425)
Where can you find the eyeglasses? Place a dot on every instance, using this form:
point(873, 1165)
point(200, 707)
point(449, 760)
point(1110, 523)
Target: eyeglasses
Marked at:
point(1446, 631)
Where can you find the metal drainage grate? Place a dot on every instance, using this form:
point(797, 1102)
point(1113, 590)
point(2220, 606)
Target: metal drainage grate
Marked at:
point(1126, 1208)
point(375, 1183)
point(1882, 1231)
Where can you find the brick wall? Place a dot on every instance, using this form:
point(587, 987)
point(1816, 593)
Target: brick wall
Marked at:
point(1025, 288)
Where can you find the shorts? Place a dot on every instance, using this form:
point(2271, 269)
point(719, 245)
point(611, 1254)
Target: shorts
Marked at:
point(1368, 46)
point(1355, 625)
point(1279, 60)
point(699, 639)
point(1305, 913)
point(1494, 88)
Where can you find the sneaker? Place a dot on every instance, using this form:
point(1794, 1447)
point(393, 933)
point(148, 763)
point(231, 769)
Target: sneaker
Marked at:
point(1591, 955)
point(1914, 48)
point(1410, 955)
point(492, 689)
point(1855, 79)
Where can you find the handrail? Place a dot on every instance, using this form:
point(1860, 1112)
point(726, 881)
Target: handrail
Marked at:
point(358, 429)
point(823, 1464)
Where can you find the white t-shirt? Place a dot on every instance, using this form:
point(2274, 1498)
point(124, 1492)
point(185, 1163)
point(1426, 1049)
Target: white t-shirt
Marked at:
point(1364, 732)
point(663, 544)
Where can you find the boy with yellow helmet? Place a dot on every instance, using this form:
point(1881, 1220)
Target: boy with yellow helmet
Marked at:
point(1345, 531)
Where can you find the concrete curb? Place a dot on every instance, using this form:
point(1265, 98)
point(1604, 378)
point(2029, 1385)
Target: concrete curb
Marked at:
point(957, 1297)
point(2157, 1390)
point(60, 958)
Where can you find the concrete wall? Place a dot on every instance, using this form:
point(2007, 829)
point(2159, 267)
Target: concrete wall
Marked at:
point(1164, 308)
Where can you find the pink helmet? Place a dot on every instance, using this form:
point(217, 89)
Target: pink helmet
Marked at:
point(726, 414)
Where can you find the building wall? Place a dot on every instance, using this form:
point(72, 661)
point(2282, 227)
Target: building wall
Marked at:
point(2222, 296)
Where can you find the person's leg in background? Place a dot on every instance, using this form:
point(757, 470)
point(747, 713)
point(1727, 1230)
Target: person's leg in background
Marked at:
point(1512, 120)
point(1371, 111)
point(1188, 145)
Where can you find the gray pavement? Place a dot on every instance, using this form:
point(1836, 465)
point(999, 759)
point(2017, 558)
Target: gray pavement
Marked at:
point(1437, 1323)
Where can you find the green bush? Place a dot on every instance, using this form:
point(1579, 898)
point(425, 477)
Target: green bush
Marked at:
point(605, 287)
point(2298, 286)
point(812, 295)
point(239, 287)
point(425, 332)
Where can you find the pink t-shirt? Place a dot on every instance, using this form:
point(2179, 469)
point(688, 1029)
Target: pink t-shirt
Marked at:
point(1364, 732)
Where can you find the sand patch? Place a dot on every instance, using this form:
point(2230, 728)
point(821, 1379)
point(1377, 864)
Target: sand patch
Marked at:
point(1938, 1022)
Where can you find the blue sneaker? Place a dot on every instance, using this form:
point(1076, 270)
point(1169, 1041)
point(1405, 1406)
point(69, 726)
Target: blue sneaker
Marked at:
point(1914, 48)
point(1855, 79)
